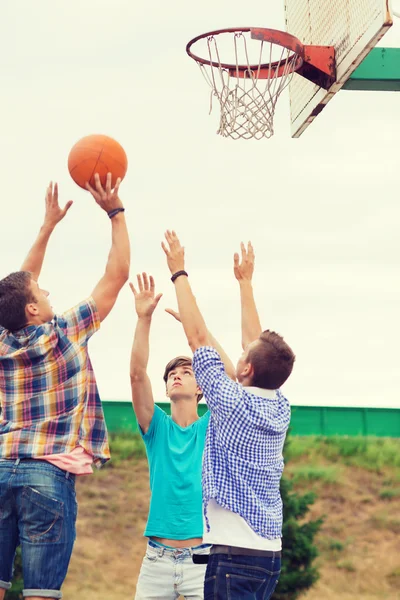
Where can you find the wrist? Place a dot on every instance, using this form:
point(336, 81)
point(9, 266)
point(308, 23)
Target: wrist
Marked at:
point(145, 318)
point(116, 212)
point(47, 227)
point(178, 273)
point(245, 283)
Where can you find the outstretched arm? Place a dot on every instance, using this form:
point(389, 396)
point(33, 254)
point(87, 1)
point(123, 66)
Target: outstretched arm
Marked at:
point(142, 394)
point(243, 269)
point(191, 317)
point(228, 364)
point(53, 215)
point(117, 269)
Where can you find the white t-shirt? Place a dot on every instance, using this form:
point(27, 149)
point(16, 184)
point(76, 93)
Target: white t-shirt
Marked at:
point(230, 529)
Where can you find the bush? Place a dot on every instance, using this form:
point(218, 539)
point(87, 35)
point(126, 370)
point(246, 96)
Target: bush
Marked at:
point(17, 583)
point(299, 551)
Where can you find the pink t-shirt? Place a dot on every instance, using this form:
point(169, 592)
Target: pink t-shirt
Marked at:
point(78, 461)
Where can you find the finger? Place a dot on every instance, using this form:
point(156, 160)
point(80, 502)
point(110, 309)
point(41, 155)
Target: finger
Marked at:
point(145, 281)
point(67, 207)
point(55, 193)
point(90, 189)
point(175, 314)
point(236, 259)
point(250, 250)
point(164, 247)
point(108, 183)
point(243, 250)
point(48, 192)
point(168, 237)
point(157, 299)
point(116, 187)
point(133, 288)
point(140, 283)
point(97, 183)
point(152, 284)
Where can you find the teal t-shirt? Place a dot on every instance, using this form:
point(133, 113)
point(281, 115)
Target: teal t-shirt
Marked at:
point(175, 456)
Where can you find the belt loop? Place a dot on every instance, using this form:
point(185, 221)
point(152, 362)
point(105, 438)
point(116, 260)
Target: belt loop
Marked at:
point(67, 475)
point(160, 552)
point(17, 462)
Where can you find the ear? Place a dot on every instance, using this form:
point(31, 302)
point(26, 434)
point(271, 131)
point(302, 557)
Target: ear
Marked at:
point(248, 371)
point(31, 310)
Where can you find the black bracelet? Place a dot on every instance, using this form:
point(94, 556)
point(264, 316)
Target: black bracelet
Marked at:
point(114, 212)
point(178, 274)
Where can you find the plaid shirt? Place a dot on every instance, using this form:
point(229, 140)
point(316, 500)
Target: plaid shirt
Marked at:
point(48, 392)
point(243, 462)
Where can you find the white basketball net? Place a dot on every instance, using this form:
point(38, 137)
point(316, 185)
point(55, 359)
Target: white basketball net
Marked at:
point(247, 104)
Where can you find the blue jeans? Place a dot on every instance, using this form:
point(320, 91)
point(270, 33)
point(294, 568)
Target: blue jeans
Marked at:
point(233, 577)
point(37, 511)
point(168, 573)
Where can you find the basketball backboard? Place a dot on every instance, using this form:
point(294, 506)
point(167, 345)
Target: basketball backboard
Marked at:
point(354, 27)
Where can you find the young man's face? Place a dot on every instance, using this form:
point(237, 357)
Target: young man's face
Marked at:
point(42, 305)
point(181, 384)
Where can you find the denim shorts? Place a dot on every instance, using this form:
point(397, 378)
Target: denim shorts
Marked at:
point(38, 512)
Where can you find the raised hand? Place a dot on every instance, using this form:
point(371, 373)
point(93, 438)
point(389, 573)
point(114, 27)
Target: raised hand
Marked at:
point(106, 198)
point(145, 299)
point(244, 268)
point(175, 253)
point(54, 213)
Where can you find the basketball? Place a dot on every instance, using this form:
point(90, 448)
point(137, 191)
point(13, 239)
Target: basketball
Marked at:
point(97, 154)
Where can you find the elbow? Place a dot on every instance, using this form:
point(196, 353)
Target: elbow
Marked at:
point(122, 277)
point(196, 341)
point(137, 376)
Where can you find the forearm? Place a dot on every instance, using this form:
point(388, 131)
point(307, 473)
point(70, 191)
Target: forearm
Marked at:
point(119, 258)
point(191, 317)
point(228, 364)
point(34, 261)
point(141, 347)
point(251, 326)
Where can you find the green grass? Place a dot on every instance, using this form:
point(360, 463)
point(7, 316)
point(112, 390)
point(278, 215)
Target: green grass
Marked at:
point(126, 446)
point(372, 453)
point(384, 519)
point(310, 473)
point(346, 565)
point(389, 494)
point(330, 544)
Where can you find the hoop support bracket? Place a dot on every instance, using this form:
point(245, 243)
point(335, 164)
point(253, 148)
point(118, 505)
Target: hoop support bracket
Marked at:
point(319, 65)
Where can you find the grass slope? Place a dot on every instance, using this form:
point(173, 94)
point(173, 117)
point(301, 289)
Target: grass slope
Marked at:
point(357, 481)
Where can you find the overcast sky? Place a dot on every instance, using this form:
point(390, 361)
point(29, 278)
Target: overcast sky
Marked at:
point(322, 211)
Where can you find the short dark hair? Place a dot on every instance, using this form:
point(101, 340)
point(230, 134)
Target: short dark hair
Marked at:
point(15, 294)
point(272, 360)
point(178, 361)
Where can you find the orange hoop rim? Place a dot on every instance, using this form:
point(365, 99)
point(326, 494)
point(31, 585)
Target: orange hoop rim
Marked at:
point(273, 36)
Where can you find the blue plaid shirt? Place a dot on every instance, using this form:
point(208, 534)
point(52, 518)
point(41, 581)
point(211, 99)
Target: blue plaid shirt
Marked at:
point(243, 462)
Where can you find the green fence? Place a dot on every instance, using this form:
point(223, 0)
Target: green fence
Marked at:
point(306, 420)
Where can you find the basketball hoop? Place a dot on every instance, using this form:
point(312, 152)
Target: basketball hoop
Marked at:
point(248, 88)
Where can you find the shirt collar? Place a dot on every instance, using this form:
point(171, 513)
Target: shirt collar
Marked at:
point(270, 394)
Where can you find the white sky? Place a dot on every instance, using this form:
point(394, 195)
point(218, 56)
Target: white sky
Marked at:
point(322, 211)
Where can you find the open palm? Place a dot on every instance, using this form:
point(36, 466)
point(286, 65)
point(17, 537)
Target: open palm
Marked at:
point(145, 298)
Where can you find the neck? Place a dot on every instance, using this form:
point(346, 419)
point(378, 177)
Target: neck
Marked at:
point(184, 412)
point(246, 382)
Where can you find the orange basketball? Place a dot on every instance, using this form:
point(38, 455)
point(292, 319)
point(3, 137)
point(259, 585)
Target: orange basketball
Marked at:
point(97, 154)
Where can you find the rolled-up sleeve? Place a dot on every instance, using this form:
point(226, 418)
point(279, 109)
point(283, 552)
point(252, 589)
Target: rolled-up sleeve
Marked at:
point(81, 322)
point(220, 392)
